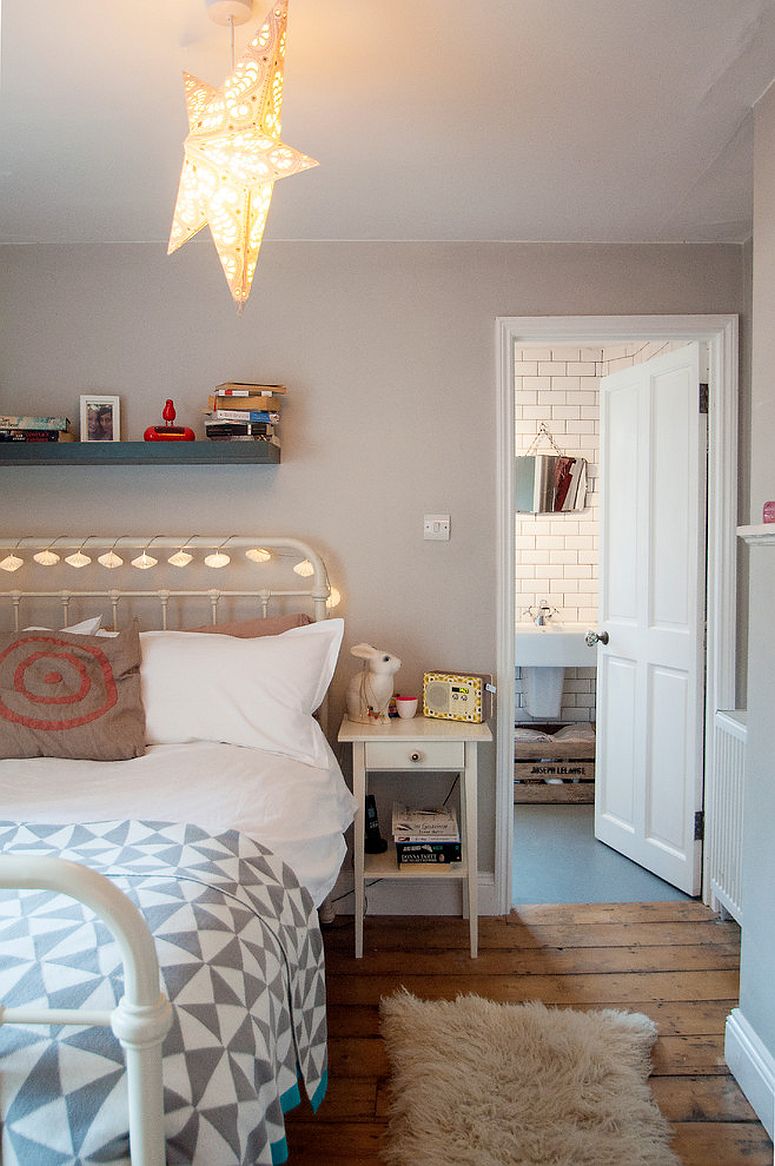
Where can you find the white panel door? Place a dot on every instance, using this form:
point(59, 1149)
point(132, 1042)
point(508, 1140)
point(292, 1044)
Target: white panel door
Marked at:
point(650, 674)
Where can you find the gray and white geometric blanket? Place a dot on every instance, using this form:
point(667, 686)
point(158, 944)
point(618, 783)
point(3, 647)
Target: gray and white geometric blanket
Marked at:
point(241, 960)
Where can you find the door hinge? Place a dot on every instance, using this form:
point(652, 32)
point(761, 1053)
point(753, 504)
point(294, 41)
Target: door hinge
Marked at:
point(699, 826)
point(703, 400)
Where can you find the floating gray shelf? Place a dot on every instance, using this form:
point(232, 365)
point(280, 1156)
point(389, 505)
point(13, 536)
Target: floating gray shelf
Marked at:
point(138, 453)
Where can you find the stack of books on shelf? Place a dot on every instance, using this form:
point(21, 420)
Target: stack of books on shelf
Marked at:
point(244, 412)
point(425, 836)
point(19, 427)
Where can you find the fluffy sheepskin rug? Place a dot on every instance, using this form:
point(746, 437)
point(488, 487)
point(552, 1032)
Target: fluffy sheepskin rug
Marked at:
point(475, 1083)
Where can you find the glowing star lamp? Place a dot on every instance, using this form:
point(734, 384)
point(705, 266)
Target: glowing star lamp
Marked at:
point(233, 152)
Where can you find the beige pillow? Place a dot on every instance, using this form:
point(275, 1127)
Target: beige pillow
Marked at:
point(74, 696)
point(250, 629)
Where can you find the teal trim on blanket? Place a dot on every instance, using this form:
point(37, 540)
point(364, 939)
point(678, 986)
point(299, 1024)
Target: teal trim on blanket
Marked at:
point(320, 1092)
point(279, 1152)
point(291, 1098)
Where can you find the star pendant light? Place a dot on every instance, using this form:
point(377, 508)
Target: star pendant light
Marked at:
point(234, 153)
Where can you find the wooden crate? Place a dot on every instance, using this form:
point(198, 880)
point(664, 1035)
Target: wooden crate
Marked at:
point(567, 794)
point(567, 770)
point(576, 784)
point(556, 750)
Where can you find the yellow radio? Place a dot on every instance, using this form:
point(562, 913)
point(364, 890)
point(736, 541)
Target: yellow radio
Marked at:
point(453, 696)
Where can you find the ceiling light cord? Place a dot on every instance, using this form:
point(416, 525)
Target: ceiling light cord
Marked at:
point(233, 43)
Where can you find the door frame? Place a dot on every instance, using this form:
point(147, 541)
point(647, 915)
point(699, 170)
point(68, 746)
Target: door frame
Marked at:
point(721, 334)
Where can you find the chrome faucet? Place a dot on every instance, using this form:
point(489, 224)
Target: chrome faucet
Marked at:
point(542, 614)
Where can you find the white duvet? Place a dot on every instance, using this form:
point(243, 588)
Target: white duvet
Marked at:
point(298, 811)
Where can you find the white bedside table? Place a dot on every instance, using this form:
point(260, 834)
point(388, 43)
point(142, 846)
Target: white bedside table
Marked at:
point(417, 745)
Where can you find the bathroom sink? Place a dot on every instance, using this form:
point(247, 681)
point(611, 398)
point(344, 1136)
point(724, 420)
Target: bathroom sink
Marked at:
point(554, 645)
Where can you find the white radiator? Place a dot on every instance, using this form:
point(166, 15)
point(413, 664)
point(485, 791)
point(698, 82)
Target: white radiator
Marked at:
point(725, 804)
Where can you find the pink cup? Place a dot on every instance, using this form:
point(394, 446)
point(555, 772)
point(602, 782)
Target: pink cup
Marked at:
point(406, 706)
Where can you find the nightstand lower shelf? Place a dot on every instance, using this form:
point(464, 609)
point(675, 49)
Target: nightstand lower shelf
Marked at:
point(385, 866)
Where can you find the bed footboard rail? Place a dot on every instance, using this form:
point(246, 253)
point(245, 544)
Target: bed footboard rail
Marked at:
point(143, 1015)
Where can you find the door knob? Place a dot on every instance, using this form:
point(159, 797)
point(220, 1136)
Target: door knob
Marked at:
point(593, 638)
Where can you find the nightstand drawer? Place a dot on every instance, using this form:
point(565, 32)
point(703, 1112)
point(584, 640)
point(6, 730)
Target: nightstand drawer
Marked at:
point(415, 755)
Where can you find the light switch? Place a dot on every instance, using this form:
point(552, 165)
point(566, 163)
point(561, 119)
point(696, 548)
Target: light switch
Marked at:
point(436, 526)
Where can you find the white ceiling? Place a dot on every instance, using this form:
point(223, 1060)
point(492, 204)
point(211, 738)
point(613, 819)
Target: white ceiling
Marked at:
point(599, 120)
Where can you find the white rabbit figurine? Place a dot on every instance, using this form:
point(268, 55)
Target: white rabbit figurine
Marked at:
point(370, 690)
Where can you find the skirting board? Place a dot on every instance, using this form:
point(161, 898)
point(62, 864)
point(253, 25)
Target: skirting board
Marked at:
point(753, 1067)
point(412, 896)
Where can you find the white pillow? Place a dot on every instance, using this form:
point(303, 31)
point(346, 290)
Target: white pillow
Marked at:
point(87, 627)
point(259, 693)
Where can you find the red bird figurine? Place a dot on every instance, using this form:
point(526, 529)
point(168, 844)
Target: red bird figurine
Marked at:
point(168, 431)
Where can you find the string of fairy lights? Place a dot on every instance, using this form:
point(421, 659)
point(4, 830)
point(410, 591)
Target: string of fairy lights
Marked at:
point(215, 559)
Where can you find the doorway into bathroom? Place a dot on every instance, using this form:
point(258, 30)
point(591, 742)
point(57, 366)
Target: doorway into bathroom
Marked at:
point(568, 841)
point(557, 414)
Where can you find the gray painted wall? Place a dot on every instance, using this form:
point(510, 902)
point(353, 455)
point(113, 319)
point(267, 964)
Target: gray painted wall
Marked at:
point(388, 351)
point(758, 953)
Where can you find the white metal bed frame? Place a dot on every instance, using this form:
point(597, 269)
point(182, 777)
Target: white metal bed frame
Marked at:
point(318, 591)
point(143, 1016)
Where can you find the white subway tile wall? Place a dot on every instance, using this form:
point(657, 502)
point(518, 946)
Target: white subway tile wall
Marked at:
point(557, 555)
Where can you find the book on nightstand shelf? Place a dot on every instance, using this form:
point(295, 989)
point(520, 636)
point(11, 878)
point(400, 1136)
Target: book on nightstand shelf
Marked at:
point(427, 853)
point(423, 825)
point(425, 836)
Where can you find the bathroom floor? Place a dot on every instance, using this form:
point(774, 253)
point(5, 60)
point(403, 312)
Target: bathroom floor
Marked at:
point(557, 859)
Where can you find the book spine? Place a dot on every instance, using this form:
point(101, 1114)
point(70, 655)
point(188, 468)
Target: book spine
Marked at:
point(220, 404)
point(11, 421)
point(249, 428)
point(240, 394)
point(29, 434)
point(431, 854)
point(425, 839)
point(242, 389)
point(267, 438)
point(245, 415)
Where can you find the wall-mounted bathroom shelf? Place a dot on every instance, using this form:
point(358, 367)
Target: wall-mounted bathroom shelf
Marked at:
point(762, 534)
point(136, 453)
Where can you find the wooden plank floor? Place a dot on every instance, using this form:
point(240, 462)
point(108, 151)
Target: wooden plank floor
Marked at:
point(674, 961)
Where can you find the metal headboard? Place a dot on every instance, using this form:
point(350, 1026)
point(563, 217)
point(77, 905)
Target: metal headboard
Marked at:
point(318, 590)
point(16, 555)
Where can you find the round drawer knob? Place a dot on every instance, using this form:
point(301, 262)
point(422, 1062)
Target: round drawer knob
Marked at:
point(415, 757)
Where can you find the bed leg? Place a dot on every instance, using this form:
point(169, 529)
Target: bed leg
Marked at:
point(141, 1031)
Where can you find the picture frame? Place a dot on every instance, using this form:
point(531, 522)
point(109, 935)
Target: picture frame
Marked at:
point(100, 417)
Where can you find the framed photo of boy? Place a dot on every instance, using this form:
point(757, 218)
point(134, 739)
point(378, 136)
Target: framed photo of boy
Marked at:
point(100, 418)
